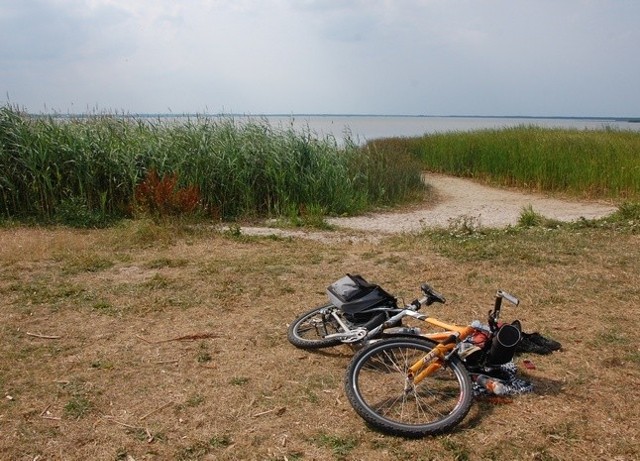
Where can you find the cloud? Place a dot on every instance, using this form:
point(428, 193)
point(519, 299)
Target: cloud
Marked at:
point(575, 57)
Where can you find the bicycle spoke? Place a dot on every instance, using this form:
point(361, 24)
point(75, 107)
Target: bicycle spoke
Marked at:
point(385, 388)
point(317, 328)
point(310, 329)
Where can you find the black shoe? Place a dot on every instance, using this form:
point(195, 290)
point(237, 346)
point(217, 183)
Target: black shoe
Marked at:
point(526, 344)
point(540, 340)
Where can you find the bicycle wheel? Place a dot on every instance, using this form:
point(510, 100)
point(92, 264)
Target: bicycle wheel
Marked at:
point(379, 391)
point(309, 329)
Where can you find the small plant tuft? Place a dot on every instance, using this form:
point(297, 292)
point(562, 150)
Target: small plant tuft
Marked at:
point(220, 441)
point(195, 400)
point(204, 355)
point(340, 446)
point(458, 450)
point(464, 226)
point(530, 218)
point(77, 407)
point(201, 448)
point(234, 231)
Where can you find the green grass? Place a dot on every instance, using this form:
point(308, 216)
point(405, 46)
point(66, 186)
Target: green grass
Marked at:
point(89, 171)
point(94, 170)
point(340, 446)
point(466, 240)
point(77, 407)
point(239, 381)
point(593, 163)
point(458, 451)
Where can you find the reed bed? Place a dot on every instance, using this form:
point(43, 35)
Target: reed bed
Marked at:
point(587, 163)
point(91, 169)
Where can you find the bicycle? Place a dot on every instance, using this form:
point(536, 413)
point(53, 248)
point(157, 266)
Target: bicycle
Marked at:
point(358, 312)
point(422, 385)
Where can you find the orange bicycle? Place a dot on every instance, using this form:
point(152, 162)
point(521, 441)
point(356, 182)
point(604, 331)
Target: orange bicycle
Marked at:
point(421, 385)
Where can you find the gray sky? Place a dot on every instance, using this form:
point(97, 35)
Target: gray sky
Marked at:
point(432, 57)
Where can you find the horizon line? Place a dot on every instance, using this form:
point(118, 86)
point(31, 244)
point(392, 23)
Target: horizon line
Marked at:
point(323, 114)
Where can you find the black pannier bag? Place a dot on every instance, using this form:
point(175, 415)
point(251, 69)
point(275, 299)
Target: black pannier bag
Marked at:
point(353, 295)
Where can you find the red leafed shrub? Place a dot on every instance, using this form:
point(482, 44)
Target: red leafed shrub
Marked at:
point(162, 196)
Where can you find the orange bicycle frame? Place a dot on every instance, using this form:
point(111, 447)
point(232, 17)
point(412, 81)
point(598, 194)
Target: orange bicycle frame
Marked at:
point(446, 340)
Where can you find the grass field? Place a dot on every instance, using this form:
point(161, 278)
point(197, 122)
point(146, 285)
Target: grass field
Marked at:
point(158, 340)
point(584, 163)
point(152, 342)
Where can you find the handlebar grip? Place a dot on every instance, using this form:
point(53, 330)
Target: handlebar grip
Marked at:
point(509, 297)
point(432, 295)
point(440, 298)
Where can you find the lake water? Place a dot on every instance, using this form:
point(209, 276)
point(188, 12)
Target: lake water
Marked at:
point(364, 128)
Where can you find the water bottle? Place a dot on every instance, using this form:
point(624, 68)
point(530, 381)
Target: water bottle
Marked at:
point(494, 386)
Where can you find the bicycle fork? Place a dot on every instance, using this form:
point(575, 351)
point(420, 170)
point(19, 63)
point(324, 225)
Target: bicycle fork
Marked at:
point(427, 365)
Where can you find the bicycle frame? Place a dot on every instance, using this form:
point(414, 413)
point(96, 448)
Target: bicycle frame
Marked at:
point(359, 334)
point(449, 340)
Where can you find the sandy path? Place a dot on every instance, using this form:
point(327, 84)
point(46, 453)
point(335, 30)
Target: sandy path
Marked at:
point(490, 207)
point(457, 197)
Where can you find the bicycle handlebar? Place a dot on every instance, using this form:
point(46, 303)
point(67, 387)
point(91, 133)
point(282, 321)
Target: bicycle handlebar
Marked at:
point(431, 296)
point(509, 297)
point(495, 313)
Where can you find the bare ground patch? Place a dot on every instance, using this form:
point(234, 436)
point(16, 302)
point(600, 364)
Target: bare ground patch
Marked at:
point(453, 199)
point(491, 207)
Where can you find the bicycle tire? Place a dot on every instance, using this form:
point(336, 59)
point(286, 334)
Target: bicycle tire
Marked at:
point(308, 329)
point(375, 387)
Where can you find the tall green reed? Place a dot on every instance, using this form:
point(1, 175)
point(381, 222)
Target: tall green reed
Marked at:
point(244, 169)
point(592, 163)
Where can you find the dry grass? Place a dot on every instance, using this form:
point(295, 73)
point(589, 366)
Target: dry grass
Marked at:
point(171, 345)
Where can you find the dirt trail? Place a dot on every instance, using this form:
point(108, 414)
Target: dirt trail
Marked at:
point(489, 206)
point(457, 197)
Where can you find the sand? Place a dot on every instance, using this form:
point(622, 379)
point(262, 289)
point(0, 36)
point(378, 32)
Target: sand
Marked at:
point(456, 199)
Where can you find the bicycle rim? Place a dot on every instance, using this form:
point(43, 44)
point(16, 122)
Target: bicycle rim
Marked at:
point(308, 331)
point(376, 386)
